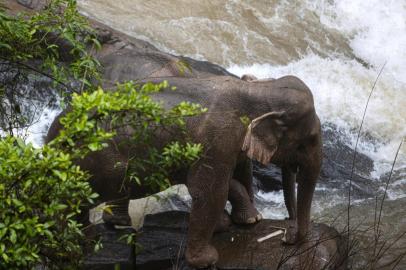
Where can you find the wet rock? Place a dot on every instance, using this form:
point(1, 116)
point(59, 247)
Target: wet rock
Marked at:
point(266, 178)
point(338, 161)
point(175, 198)
point(163, 240)
point(33, 4)
point(115, 251)
point(123, 64)
point(127, 58)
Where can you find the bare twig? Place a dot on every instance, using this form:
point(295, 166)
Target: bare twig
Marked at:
point(355, 151)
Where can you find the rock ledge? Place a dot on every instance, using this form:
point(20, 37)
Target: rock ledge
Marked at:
point(163, 239)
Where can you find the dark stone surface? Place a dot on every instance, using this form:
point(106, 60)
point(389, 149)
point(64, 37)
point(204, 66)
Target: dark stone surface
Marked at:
point(163, 239)
point(266, 178)
point(127, 58)
point(114, 251)
point(337, 163)
point(33, 4)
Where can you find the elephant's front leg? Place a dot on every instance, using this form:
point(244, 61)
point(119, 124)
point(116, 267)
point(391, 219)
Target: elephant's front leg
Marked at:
point(243, 174)
point(305, 192)
point(241, 194)
point(309, 169)
point(243, 210)
point(208, 187)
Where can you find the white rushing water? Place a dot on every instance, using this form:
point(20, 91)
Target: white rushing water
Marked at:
point(36, 133)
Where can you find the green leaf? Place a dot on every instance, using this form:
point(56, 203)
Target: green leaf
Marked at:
point(60, 174)
point(107, 209)
point(13, 236)
point(7, 46)
point(93, 147)
point(20, 142)
point(245, 120)
point(60, 206)
point(5, 257)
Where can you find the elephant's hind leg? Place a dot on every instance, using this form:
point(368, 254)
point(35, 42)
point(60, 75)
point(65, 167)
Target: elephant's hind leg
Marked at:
point(243, 210)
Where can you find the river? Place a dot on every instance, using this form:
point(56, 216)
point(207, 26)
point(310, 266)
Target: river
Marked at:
point(337, 48)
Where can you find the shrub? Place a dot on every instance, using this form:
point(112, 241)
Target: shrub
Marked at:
point(40, 193)
point(41, 190)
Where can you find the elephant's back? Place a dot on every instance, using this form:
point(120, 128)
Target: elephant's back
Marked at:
point(291, 82)
point(204, 91)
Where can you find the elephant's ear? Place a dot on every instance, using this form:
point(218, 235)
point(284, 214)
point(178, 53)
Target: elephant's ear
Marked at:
point(255, 145)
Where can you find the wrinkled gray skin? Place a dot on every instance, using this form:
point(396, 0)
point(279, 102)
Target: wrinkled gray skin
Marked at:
point(285, 130)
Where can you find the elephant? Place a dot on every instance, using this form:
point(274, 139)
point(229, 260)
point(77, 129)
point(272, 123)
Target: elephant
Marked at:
point(284, 129)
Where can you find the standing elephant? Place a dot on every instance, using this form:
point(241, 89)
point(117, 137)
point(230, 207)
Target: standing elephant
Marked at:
point(284, 129)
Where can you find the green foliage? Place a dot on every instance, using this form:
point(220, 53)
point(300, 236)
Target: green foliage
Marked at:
point(41, 35)
point(40, 193)
point(183, 67)
point(55, 43)
point(40, 189)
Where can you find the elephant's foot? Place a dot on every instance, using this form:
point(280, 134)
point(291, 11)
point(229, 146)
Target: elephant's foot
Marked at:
point(293, 236)
point(201, 257)
point(245, 215)
point(224, 223)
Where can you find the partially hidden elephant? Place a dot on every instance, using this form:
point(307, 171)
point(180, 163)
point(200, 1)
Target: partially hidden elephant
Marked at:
point(284, 129)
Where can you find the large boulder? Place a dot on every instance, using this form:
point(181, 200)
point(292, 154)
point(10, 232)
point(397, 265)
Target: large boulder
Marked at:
point(163, 239)
point(33, 4)
point(114, 251)
point(127, 58)
point(338, 160)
